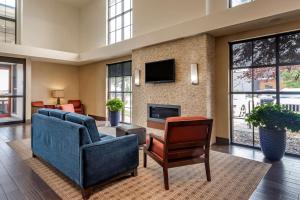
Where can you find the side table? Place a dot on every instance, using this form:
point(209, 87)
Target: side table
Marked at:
point(127, 129)
point(121, 130)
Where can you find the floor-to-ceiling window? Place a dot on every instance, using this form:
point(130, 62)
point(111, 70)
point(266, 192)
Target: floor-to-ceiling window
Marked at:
point(119, 20)
point(120, 86)
point(264, 70)
point(12, 90)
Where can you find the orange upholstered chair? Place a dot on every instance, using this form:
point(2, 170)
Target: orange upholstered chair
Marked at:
point(39, 104)
point(186, 141)
point(78, 106)
point(67, 107)
point(35, 105)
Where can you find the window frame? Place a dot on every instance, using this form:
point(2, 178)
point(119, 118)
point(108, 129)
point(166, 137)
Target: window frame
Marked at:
point(277, 92)
point(230, 3)
point(122, 92)
point(5, 18)
point(122, 15)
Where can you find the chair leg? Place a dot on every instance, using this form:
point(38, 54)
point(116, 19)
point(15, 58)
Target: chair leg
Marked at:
point(145, 160)
point(207, 169)
point(166, 178)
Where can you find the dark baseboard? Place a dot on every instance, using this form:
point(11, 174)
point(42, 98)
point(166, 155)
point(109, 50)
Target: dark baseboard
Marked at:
point(222, 141)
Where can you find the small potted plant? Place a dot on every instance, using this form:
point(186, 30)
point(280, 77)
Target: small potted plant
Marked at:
point(114, 106)
point(273, 121)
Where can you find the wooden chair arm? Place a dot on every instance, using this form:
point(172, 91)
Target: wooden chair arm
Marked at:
point(160, 139)
point(151, 136)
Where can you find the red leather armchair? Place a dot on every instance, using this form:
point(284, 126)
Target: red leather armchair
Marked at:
point(40, 104)
point(186, 141)
point(78, 106)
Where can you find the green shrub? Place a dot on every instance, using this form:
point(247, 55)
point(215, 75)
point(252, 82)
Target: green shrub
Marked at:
point(115, 105)
point(274, 117)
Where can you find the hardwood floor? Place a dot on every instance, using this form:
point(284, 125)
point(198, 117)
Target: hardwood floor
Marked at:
point(282, 181)
point(18, 181)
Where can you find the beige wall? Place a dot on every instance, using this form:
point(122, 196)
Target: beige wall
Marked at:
point(193, 99)
point(92, 25)
point(222, 71)
point(50, 24)
point(153, 15)
point(92, 81)
point(48, 76)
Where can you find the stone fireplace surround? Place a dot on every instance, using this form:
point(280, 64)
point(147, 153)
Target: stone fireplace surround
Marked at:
point(193, 99)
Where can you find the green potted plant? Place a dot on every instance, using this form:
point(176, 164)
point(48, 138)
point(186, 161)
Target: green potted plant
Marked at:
point(114, 107)
point(273, 121)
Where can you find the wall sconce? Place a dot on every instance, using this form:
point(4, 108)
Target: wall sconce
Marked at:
point(194, 74)
point(137, 77)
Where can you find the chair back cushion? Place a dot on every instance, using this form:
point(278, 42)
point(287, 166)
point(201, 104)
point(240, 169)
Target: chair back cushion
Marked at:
point(44, 111)
point(76, 103)
point(186, 129)
point(67, 107)
point(86, 121)
point(37, 103)
point(60, 114)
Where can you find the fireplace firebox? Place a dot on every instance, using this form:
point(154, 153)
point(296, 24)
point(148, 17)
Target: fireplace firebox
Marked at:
point(159, 112)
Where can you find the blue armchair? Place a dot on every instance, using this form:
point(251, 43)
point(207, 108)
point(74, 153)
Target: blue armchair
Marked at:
point(71, 143)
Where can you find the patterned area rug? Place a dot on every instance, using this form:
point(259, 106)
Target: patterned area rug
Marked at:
point(232, 178)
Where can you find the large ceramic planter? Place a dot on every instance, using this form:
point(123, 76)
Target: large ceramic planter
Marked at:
point(114, 118)
point(272, 143)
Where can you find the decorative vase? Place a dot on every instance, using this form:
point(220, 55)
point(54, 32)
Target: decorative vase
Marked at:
point(272, 143)
point(114, 118)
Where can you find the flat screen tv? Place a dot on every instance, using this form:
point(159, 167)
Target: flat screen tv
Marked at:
point(160, 71)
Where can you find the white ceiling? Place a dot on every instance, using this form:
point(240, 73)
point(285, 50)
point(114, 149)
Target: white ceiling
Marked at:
point(76, 3)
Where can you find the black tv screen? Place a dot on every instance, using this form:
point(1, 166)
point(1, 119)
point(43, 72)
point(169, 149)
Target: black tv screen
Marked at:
point(160, 71)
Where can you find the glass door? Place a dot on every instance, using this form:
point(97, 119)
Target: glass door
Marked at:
point(264, 70)
point(12, 90)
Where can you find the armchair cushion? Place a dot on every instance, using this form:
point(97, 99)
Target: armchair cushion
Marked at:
point(67, 107)
point(86, 121)
point(60, 114)
point(158, 149)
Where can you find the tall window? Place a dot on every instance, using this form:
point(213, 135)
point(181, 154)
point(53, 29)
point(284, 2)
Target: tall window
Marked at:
point(233, 3)
point(120, 86)
point(7, 21)
point(119, 20)
point(264, 70)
